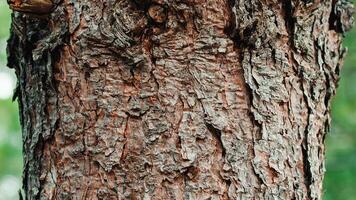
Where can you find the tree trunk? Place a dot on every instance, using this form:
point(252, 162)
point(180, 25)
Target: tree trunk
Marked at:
point(141, 99)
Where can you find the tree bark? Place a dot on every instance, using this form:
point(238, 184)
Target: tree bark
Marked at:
point(141, 99)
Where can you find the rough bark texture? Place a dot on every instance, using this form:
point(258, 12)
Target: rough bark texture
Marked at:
point(188, 99)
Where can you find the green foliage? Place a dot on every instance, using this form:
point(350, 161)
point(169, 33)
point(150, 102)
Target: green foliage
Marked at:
point(340, 179)
point(10, 135)
point(10, 139)
point(4, 19)
point(4, 28)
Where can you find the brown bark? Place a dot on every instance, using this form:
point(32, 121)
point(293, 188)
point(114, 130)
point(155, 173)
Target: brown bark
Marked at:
point(141, 99)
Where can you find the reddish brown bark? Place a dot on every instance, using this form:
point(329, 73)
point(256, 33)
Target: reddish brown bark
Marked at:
point(210, 99)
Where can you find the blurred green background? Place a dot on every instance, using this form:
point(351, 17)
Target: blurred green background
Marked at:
point(10, 135)
point(340, 178)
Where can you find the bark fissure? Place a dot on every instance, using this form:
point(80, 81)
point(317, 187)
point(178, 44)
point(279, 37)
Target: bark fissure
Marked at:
point(289, 20)
point(305, 144)
point(216, 133)
point(306, 166)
